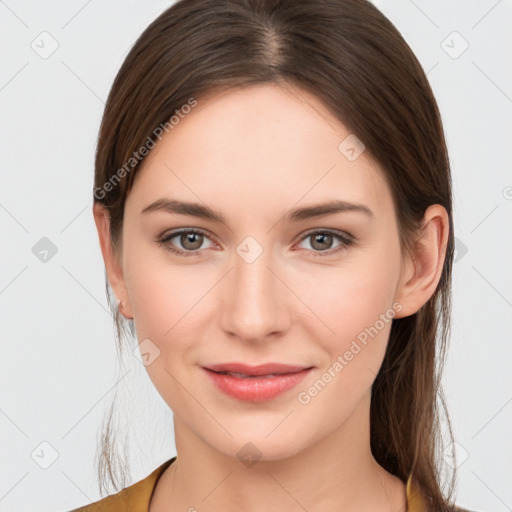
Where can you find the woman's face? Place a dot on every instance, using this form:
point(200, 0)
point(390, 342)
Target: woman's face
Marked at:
point(261, 286)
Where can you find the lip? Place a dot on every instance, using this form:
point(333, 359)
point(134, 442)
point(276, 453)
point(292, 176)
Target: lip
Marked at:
point(259, 387)
point(262, 369)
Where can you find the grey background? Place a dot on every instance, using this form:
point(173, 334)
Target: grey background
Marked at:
point(59, 369)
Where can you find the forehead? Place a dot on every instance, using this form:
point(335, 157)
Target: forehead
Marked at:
point(257, 148)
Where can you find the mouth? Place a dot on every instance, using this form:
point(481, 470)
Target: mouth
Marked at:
point(255, 383)
point(241, 370)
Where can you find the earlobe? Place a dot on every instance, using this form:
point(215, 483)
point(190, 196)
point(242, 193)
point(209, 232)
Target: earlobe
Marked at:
point(424, 267)
point(112, 264)
point(123, 308)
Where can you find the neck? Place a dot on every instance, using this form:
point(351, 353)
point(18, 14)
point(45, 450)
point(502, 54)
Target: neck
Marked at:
point(338, 472)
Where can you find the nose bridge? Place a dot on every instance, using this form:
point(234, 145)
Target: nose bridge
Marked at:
point(254, 306)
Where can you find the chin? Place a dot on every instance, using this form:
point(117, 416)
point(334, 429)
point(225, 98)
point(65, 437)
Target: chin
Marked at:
point(251, 449)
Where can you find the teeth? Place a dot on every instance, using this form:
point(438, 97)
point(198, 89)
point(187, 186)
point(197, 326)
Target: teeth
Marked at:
point(244, 376)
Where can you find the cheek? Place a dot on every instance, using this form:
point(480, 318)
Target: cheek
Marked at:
point(163, 301)
point(171, 304)
point(161, 293)
point(352, 309)
point(356, 313)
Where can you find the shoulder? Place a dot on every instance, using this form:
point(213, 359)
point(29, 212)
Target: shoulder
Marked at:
point(133, 498)
point(418, 501)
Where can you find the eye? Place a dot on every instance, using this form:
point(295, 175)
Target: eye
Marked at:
point(190, 240)
point(322, 242)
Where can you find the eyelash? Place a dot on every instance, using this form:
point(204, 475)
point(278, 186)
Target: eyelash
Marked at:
point(347, 241)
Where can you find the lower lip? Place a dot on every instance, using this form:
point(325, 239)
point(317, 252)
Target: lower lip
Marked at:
point(256, 389)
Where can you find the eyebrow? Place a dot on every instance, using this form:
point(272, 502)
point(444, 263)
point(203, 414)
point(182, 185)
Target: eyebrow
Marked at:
point(295, 215)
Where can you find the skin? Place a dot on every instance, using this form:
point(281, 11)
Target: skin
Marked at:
point(253, 154)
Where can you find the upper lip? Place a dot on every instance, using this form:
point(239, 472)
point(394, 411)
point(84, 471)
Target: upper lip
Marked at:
point(262, 369)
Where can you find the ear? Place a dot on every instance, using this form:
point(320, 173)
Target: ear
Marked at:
point(422, 270)
point(112, 258)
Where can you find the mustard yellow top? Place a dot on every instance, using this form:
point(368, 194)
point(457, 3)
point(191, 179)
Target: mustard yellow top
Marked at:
point(136, 497)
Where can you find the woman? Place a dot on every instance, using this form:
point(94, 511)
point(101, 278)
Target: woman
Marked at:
point(273, 203)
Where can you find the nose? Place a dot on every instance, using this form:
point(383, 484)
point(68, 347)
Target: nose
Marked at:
point(256, 302)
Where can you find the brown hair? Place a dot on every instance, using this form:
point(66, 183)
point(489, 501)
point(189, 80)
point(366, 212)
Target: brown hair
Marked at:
point(351, 57)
